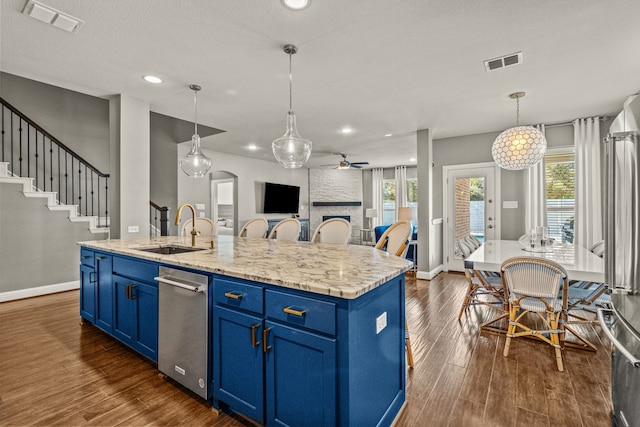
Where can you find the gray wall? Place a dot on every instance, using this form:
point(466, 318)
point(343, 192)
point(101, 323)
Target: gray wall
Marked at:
point(38, 247)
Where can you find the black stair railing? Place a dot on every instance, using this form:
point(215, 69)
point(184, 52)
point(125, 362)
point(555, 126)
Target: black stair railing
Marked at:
point(159, 219)
point(33, 152)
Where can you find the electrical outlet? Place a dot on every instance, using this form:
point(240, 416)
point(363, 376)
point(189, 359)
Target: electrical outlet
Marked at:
point(133, 229)
point(200, 206)
point(381, 322)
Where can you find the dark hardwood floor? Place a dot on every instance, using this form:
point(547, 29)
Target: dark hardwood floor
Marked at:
point(55, 372)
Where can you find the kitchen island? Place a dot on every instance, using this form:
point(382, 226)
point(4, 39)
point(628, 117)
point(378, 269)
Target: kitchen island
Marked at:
point(298, 333)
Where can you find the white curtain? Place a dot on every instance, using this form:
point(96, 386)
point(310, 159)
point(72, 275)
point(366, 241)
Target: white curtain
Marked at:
point(588, 198)
point(536, 194)
point(376, 197)
point(401, 188)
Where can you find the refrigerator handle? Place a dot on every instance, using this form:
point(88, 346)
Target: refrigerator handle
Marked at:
point(609, 212)
point(626, 353)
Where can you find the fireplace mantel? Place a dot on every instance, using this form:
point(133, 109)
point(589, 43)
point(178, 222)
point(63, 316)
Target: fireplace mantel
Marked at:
point(337, 203)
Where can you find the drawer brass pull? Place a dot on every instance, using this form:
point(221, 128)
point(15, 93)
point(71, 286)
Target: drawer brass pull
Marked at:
point(299, 313)
point(233, 295)
point(265, 336)
point(254, 343)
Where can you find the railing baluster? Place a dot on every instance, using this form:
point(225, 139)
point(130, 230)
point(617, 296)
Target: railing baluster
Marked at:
point(20, 139)
point(3, 133)
point(80, 187)
point(92, 174)
point(50, 165)
point(28, 150)
point(13, 166)
point(44, 164)
point(66, 179)
point(86, 211)
point(59, 188)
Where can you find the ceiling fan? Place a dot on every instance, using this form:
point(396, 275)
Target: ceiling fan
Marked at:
point(345, 164)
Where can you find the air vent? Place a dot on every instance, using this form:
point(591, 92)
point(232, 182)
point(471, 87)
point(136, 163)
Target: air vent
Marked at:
point(503, 61)
point(52, 16)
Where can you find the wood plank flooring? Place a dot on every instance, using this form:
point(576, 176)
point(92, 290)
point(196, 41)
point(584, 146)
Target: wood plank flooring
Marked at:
point(55, 372)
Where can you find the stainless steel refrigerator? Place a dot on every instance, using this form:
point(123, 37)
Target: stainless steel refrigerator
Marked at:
point(622, 259)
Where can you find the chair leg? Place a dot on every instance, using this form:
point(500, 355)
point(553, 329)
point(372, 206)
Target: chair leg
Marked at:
point(555, 339)
point(512, 317)
point(408, 345)
point(468, 296)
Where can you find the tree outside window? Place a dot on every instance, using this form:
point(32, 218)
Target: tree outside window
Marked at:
point(388, 201)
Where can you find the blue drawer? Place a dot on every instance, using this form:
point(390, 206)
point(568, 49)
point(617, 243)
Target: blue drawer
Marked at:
point(300, 311)
point(87, 257)
point(139, 270)
point(238, 294)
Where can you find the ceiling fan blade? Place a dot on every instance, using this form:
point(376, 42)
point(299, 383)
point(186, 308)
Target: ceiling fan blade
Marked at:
point(355, 166)
point(359, 163)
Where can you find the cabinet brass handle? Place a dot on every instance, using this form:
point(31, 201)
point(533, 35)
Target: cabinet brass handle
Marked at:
point(85, 256)
point(127, 291)
point(92, 277)
point(233, 295)
point(299, 313)
point(99, 257)
point(254, 343)
point(265, 336)
point(133, 296)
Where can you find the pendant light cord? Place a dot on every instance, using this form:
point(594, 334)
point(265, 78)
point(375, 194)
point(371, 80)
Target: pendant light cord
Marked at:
point(518, 111)
point(195, 99)
point(290, 86)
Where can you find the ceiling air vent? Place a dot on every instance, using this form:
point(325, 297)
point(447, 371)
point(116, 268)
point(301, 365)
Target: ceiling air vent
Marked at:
point(49, 15)
point(503, 61)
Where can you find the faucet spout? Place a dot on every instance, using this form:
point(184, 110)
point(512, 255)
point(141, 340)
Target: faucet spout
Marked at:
point(194, 232)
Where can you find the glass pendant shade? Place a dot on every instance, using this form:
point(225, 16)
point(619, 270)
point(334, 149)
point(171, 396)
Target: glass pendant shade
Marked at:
point(195, 163)
point(519, 148)
point(291, 150)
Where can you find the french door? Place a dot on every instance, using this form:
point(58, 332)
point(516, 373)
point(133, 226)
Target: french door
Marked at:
point(471, 196)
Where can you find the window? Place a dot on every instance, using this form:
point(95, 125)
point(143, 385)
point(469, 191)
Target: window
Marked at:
point(412, 192)
point(560, 183)
point(388, 201)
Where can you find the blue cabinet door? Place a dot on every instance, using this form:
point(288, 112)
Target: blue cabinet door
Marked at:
point(87, 293)
point(104, 290)
point(238, 376)
point(145, 300)
point(301, 377)
point(124, 322)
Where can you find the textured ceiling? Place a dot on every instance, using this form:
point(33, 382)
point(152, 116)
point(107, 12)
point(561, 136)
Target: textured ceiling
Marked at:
point(392, 66)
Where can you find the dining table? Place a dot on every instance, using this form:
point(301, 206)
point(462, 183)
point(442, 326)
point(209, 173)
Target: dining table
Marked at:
point(580, 263)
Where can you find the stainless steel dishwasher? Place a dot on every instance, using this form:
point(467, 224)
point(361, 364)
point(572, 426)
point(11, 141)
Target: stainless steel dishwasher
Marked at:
point(183, 328)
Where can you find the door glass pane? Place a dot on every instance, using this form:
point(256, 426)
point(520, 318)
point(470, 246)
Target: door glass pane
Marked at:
point(469, 208)
point(389, 201)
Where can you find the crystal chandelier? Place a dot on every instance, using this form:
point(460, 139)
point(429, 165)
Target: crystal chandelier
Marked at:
point(291, 150)
point(519, 147)
point(195, 164)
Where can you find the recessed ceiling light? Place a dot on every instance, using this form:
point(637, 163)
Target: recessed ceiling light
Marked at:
point(388, 134)
point(296, 4)
point(152, 79)
point(252, 147)
point(346, 130)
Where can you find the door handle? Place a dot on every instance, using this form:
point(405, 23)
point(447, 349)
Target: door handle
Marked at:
point(265, 336)
point(489, 226)
point(254, 343)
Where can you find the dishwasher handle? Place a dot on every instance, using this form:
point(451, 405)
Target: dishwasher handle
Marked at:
point(178, 284)
point(626, 353)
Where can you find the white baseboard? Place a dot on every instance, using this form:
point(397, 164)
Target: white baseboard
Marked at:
point(428, 275)
point(40, 290)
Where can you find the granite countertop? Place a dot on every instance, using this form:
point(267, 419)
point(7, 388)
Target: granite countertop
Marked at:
point(345, 271)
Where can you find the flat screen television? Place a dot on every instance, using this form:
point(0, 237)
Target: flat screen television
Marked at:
point(280, 198)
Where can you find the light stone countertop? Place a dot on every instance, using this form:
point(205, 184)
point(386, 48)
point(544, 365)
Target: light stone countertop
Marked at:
point(344, 271)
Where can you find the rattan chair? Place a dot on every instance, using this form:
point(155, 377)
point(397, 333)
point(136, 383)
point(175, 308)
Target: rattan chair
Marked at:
point(532, 286)
point(395, 240)
point(287, 229)
point(487, 291)
point(333, 230)
point(255, 228)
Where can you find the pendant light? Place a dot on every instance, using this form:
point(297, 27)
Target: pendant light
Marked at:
point(291, 150)
point(519, 147)
point(195, 164)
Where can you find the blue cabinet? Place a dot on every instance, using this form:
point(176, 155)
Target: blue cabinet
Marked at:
point(96, 290)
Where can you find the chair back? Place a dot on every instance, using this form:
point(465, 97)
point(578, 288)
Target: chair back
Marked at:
point(472, 243)
point(536, 277)
point(333, 230)
point(255, 228)
point(204, 225)
point(287, 229)
point(464, 247)
point(598, 248)
point(395, 240)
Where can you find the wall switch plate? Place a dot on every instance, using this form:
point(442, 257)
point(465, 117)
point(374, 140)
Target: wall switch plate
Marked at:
point(200, 206)
point(510, 204)
point(381, 322)
point(133, 229)
point(201, 214)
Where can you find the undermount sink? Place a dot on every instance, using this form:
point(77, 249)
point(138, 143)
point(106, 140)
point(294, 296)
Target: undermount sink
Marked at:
point(170, 249)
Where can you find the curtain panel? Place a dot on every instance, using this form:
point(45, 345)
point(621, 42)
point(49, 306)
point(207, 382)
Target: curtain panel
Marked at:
point(401, 188)
point(536, 194)
point(588, 195)
point(376, 196)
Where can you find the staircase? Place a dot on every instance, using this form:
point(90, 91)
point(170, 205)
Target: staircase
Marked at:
point(95, 224)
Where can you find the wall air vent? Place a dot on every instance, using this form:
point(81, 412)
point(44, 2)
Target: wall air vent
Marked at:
point(503, 61)
point(52, 16)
